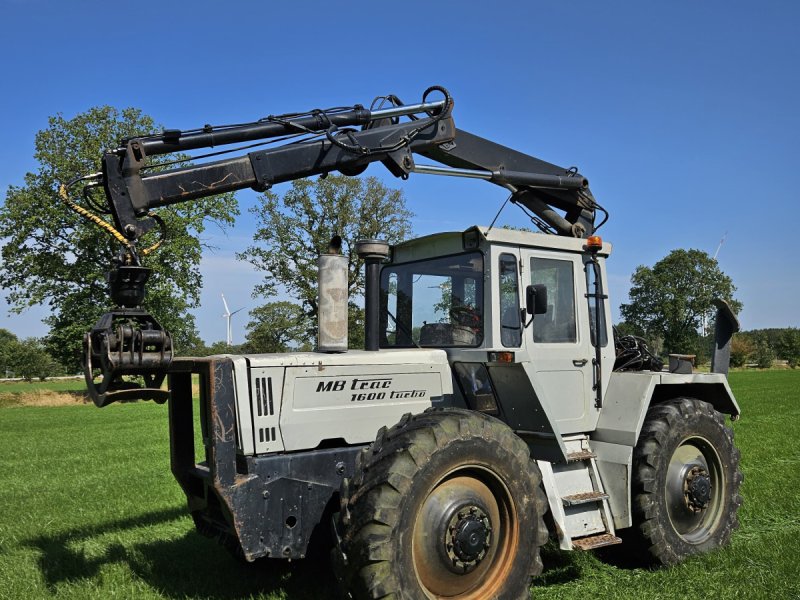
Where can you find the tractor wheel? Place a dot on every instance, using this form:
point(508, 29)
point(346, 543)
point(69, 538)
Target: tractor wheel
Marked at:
point(686, 482)
point(445, 504)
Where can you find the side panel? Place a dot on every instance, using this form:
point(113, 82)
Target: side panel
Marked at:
point(352, 402)
point(523, 411)
point(627, 398)
point(266, 385)
point(630, 394)
point(614, 466)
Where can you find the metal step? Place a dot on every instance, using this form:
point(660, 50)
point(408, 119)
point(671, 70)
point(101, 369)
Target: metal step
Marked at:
point(595, 541)
point(583, 498)
point(582, 455)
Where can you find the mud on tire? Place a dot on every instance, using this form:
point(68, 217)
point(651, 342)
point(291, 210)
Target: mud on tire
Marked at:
point(447, 503)
point(685, 484)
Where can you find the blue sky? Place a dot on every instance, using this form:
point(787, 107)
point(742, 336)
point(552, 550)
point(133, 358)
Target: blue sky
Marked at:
point(683, 115)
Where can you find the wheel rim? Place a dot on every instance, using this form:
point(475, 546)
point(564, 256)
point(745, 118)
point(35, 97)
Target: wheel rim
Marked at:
point(695, 490)
point(465, 535)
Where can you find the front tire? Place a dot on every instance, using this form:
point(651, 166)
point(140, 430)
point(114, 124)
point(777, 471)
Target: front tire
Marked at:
point(686, 481)
point(445, 504)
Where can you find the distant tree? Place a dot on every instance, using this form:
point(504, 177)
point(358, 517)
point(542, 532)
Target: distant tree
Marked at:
point(8, 343)
point(741, 350)
point(763, 354)
point(223, 348)
point(31, 360)
point(53, 256)
point(276, 327)
point(295, 228)
point(672, 299)
point(789, 346)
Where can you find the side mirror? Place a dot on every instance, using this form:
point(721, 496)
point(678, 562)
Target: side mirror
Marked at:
point(536, 299)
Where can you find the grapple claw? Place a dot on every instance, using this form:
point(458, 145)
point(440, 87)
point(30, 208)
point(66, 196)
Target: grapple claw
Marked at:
point(126, 342)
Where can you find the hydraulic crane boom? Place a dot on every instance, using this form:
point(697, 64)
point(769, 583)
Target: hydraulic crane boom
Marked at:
point(129, 341)
point(538, 185)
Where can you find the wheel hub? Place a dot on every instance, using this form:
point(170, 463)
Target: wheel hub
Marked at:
point(468, 538)
point(697, 489)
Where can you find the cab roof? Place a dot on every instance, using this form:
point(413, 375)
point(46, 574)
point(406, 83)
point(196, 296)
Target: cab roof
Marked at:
point(450, 242)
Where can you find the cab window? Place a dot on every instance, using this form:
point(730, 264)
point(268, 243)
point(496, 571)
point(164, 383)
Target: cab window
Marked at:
point(510, 325)
point(557, 325)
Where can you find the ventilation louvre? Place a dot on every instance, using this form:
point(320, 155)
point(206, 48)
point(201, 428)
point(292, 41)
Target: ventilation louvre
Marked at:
point(264, 401)
point(266, 434)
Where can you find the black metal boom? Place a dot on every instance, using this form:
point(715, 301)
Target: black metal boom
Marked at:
point(129, 341)
point(537, 185)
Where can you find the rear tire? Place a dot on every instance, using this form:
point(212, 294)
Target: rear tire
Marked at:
point(445, 504)
point(686, 481)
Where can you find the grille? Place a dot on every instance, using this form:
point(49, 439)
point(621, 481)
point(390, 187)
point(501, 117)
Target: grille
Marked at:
point(266, 434)
point(264, 403)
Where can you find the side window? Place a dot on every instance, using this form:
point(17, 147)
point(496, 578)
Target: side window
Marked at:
point(510, 326)
point(594, 294)
point(557, 325)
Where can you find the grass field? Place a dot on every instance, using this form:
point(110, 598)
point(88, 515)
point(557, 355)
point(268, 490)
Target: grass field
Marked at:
point(74, 384)
point(90, 510)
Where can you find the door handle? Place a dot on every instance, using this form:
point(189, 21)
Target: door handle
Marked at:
point(579, 362)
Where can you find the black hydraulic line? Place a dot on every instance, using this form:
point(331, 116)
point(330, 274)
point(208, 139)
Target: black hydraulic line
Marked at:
point(264, 168)
point(599, 296)
point(542, 210)
point(177, 141)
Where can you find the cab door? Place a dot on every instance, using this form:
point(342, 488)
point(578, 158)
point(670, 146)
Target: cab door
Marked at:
point(558, 341)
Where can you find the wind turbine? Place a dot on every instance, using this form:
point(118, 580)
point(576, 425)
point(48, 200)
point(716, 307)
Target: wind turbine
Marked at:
point(228, 314)
point(722, 241)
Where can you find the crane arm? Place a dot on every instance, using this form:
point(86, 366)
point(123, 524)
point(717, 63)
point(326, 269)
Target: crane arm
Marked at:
point(129, 341)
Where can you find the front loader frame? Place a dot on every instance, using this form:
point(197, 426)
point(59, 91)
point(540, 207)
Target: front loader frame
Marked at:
point(257, 506)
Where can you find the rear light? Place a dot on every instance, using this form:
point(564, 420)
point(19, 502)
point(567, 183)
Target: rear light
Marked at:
point(501, 357)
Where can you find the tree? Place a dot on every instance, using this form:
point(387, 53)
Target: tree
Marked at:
point(294, 229)
point(32, 360)
point(763, 355)
point(54, 256)
point(673, 299)
point(741, 350)
point(276, 327)
point(789, 346)
point(8, 345)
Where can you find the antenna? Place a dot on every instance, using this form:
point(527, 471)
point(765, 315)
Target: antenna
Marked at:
point(228, 314)
point(722, 241)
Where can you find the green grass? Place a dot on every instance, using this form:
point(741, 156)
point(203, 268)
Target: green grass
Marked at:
point(89, 509)
point(53, 385)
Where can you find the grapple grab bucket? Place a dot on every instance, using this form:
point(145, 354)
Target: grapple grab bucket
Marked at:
point(127, 342)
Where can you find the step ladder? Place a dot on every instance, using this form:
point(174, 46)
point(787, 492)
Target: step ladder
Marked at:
point(578, 502)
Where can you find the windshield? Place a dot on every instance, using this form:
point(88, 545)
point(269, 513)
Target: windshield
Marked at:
point(436, 302)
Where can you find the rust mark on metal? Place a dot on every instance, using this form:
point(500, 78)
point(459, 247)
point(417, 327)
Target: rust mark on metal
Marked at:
point(581, 455)
point(595, 541)
point(220, 433)
point(583, 498)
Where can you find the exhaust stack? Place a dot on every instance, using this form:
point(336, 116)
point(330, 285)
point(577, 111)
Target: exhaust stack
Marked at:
point(373, 252)
point(332, 299)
